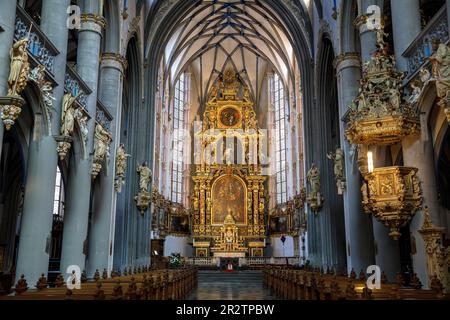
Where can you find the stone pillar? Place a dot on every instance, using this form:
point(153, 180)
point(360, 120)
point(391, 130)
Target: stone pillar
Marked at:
point(416, 153)
point(8, 19)
point(387, 250)
point(35, 235)
point(359, 238)
point(77, 213)
point(101, 238)
point(404, 30)
point(419, 154)
point(367, 35)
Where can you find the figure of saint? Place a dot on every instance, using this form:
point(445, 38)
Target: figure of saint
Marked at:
point(68, 115)
point(101, 143)
point(82, 123)
point(441, 67)
point(121, 160)
point(314, 179)
point(145, 175)
point(338, 160)
point(20, 67)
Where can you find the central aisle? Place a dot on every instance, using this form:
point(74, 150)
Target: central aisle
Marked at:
point(239, 285)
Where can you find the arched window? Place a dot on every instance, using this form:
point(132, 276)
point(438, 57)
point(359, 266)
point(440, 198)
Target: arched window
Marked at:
point(279, 102)
point(58, 199)
point(178, 117)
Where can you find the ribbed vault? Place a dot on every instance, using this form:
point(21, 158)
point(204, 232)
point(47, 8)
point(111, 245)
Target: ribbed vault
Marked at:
point(241, 34)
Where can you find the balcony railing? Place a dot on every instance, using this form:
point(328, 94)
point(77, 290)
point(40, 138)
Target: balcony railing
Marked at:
point(103, 116)
point(40, 47)
point(76, 86)
point(421, 48)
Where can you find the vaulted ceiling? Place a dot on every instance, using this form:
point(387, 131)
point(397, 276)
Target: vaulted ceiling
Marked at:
point(242, 34)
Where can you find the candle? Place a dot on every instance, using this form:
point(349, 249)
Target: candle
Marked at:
point(370, 161)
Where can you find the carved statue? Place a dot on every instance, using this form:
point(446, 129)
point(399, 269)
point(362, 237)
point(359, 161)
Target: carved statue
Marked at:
point(338, 160)
point(101, 143)
point(441, 67)
point(68, 115)
point(82, 123)
point(145, 176)
point(105, 274)
point(37, 74)
point(21, 285)
point(97, 275)
point(42, 282)
point(121, 166)
point(314, 179)
point(20, 67)
point(59, 282)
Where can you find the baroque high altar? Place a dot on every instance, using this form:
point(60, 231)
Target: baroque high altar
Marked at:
point(229, 193)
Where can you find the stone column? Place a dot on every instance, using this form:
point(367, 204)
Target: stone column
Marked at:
point(404, 30)
point(367, 35)
point(387, 250)
point(101, 237)
point(359, 238)
point(416, 153)
point(77, 211)
point(8, 19)
point(419, 154)
point(35, 235)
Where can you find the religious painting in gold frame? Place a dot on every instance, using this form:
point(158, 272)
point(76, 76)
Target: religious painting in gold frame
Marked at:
point(229, 117)
point(229, 194)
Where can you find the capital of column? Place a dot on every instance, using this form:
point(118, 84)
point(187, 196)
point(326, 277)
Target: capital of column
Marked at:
point(347, 60)
point(114, 60)
point(92, 22)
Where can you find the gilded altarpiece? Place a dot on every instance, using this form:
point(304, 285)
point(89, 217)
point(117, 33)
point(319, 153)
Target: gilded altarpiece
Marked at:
point(228, 202)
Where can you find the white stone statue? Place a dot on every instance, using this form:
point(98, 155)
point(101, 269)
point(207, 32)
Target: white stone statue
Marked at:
point(19, 68)
point(68, 114)
point(102, 139)
point(82, 123)
point(37, 74)
point(416, 89)
point(441, 67)
point(314, 179)
point(145, 176)
point(338, 160)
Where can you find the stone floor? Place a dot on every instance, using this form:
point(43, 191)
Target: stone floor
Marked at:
point(240, 285)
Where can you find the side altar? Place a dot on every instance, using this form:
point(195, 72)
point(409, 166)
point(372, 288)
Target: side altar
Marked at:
point(228, 202)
